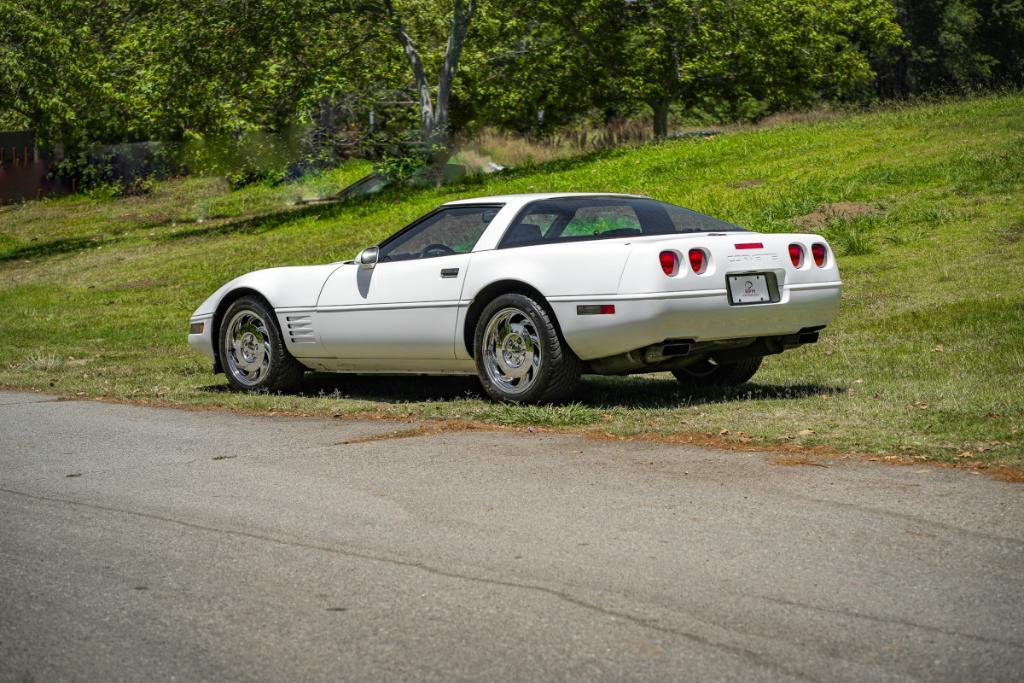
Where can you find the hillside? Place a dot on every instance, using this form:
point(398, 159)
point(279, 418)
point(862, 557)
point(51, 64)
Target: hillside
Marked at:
point(925, 205)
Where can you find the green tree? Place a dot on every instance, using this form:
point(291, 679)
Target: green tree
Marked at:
point(956, 44)
point(776, 54)
point(434, 101)
point(523, 72)
point(56, 71)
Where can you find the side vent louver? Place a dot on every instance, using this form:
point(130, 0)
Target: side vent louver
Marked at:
point(300, 329)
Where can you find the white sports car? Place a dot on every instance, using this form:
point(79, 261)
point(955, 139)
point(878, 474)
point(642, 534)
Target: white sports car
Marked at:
point(529, 292)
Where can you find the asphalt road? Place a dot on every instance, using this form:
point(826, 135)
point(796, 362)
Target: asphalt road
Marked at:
point(148, 544)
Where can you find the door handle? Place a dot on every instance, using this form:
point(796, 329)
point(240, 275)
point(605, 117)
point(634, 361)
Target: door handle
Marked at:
point(449, 272)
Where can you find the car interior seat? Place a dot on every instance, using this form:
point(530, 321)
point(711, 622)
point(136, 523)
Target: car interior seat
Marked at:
point(522, 233)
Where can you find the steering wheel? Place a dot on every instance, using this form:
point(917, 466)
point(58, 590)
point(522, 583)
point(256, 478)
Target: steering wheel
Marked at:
point(436, 250)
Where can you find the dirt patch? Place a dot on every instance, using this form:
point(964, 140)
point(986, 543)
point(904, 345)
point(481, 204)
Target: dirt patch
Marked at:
point(427, 430)
point(795, 461)
point(1012, 234)
point(1005, 473)
point(821, 216)
point(730, 441)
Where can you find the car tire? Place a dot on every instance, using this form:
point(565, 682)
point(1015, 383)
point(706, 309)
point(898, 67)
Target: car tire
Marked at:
point(708, 375)
point(519, 352)
point(252, 351)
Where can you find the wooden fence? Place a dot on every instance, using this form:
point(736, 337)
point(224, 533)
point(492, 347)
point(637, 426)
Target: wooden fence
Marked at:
point(24, 169)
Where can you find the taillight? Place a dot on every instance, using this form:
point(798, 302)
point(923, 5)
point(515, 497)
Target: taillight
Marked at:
point(669, 262)
point(819, 252)
point(796, 255)
point(697, 260)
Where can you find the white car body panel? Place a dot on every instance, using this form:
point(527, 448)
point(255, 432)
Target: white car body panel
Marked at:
point(373, 313)
point(652, 307)
point(403, 316)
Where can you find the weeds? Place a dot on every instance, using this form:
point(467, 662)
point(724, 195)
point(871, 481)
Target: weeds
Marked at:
point(42, 361)
point(853, 237)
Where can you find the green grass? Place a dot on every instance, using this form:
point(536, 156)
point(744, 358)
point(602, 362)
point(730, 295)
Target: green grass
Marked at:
point(925, 359)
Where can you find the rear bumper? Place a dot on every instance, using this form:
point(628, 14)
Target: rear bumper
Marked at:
point(705, 315)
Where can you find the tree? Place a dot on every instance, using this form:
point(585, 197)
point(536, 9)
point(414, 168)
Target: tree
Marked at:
point(56, 72)
point(955, 44)
point(434, 109)
point(768, 55)
point(523, 72)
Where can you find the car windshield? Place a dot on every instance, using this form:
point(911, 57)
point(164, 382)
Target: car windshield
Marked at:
point(588, 218)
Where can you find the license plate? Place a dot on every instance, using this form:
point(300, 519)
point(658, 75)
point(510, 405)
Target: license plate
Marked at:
point(749, 289)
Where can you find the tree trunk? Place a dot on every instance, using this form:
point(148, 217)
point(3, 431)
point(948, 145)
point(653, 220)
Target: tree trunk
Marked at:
point(660, 109)
point(419, 72)
point(461, 16)
point(434, 131)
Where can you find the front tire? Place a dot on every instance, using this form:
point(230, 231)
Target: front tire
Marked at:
point(520, 356)
point(708, 374)
point(252, 350)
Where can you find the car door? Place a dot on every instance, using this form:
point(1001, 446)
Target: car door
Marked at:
point(406, 306)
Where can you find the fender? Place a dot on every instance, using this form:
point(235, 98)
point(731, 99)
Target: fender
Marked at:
point(291, 287)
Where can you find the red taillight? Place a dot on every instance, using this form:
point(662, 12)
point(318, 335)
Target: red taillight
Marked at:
point(669, 262)
point(697, 260)
point(796, 255)
point(819, 252)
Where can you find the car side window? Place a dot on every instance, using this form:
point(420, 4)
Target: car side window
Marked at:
point(684, 221)
point(601, 220)
point(447, 231)
point(565, 219)
point(544, 221)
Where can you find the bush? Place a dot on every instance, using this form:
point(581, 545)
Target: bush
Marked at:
point(398, 169)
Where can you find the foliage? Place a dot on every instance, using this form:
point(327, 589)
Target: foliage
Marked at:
point(955, 44)
point(56, 71)
point(399, 169)
point(741, 58)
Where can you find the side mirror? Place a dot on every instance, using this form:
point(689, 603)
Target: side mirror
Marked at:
point(368, 257)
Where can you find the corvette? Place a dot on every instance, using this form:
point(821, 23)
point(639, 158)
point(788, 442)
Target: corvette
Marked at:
point(529, 292)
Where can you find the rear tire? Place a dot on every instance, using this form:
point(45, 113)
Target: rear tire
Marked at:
point(709, 375)
point(252, 351)
point(520, 356)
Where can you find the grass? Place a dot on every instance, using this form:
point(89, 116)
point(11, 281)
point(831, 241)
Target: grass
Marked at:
point(924, 361)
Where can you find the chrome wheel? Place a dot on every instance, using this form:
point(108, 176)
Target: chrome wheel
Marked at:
point(512, 350)
point(247, 348)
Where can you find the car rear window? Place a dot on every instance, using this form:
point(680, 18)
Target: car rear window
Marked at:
point(587, 218)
